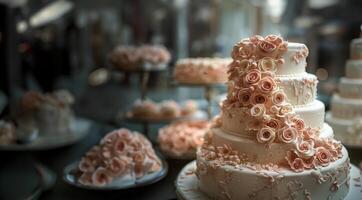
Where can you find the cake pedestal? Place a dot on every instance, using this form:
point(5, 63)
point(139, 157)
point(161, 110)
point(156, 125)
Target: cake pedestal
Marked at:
point(208, 95)
point(187, 186)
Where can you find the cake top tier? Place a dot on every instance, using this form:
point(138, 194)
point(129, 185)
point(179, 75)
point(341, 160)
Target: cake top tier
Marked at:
point(290, 58)
point(356, 49)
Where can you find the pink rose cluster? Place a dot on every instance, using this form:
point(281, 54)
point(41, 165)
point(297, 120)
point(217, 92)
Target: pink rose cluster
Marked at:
point(183, 137)
point(130, 57)
point(121, 153)
point(253, 88)
point(32, 100)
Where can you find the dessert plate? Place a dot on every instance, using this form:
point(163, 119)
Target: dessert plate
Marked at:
point(187, 184)
point(79, 129)
point(70, 176)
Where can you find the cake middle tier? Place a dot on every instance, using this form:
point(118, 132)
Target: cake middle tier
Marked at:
point(346, 108)
point(250, 146)
point(300, 89)
point(350, 88)
point(233, 119)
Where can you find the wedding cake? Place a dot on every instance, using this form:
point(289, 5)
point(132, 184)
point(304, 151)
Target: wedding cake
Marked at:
point(346, 106)
point(270, 140)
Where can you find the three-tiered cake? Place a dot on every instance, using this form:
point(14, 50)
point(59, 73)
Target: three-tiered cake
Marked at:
point(346, 106)
point(270, 141)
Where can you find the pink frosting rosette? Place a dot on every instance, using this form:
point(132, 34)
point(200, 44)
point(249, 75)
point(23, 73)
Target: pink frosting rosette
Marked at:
point(258, 98)
point(120, 154)
point(266, 135)
point(287, 135)
point(252, 77)
point(257, 110)
point(323, 156)
point(244, 96)
point(278, 97)
point(267, 64)
point(266, 85)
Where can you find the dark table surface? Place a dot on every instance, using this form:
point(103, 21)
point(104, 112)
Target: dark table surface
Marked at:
point(18, 177)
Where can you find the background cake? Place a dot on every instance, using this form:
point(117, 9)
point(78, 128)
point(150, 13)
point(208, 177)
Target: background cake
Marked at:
point(270, 141)
point(201, 70)
point(346, 106)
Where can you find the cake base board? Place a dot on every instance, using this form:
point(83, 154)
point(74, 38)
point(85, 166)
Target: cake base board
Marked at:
point(187, 184)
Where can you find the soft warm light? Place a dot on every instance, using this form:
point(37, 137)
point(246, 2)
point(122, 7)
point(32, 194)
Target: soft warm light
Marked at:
point(322, 74)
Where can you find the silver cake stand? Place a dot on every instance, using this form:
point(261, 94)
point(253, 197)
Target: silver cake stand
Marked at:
point(187, 187)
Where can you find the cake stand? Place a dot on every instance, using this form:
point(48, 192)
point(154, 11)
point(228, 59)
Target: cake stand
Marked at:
point(187, 184)
point(146, 122)
point(78, 130)
point(209, 89)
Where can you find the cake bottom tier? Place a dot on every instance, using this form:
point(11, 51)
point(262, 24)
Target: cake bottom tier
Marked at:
point(341, 129)
point(240, 182)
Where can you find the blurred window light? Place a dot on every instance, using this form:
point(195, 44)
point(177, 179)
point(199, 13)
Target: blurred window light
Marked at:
point(318, 4)
point(276, 8)
point(322, 74)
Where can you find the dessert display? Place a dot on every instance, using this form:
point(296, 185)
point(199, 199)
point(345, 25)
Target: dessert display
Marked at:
point(346, 106)
point(167, 109)
point(7, 133)
point(49, 114)
point(201, 70)
point(181, 139)
point(121, 156)
point(270, 141)
point(132, 58)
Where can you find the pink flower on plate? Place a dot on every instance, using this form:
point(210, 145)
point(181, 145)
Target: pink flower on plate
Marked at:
point(120, 147)
point(244, 96)
point(180, 145)
point(297, 165)
point(266, 48)
point(278, 97)
point(267, 64)
point(258, 98)
point(252, 77)
point(109, 138)
point(275, 39)
point(101, 177)
point(258, 110)
point(298, 124)
point(118, 165)
point(323, 156)
point(266, 85)
point(85, 165)
point(124, 134)
point(265, 135)
point(85, 179)
point(135, 145)
point(287, 135)
point(138, 157)
point(273, 123)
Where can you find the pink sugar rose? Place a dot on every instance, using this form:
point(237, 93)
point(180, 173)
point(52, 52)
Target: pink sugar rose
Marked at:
point(135, 145)
point(258, 110)
point(256, 39)
point(85, 165)
point(265, 135)
point(138, 157)
point(266, 85)
point(244, 65)
point(275, 39)
point(309, 133)
point(267, 64)
point(266, 48)
point(323, 156)
point(297, 165)
point(124, 134)
point(298, 124)
point(109, 138)
point(306, 148)
point(120, 146)
point(278, 97)
point(283, 47)
point(284, 110)
point(244, 96)
point(180, 145)
point(274, 109)
point(273, 123)
point(101, 177)
point(257, 98)
point(287, 135)
point(85, 179)
point(118, 166)
point(243, 50)
point(252, 77)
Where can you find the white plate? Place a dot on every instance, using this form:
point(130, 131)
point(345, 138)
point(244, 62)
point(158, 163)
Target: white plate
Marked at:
point(187, 187)
point(70, 177)
point(79, 128)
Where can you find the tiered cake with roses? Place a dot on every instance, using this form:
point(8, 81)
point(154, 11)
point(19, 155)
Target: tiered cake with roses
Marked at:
point(346, 106)
point(270, 141)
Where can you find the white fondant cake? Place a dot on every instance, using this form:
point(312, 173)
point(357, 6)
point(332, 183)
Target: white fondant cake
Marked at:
point(270, 141)
point(346, 105)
